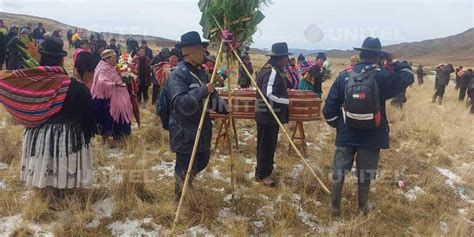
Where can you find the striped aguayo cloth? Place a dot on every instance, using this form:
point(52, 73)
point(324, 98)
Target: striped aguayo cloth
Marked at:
point(33, 95)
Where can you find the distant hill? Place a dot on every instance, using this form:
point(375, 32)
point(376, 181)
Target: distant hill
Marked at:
point(50, 25)
point(456, 49)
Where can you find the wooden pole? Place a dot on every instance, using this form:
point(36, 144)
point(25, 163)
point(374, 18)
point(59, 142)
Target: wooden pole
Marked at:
point(196, 143)
point(230, 133)
point(280, 124)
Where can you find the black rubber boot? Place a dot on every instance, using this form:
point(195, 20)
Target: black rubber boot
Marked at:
point(336, 195)
point(178, 187)
point(363, 192)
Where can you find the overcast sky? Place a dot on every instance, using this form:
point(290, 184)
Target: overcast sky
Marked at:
point(310, 24)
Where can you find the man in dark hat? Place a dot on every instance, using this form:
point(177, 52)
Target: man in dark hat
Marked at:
point(362, 129)
point(187, 88)
point(272, 81)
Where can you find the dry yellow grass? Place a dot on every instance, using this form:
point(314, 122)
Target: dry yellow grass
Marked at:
point(136, 180)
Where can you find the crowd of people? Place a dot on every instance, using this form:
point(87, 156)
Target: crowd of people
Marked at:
point(69, 110)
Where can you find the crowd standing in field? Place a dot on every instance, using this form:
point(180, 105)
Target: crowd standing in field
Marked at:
point(109, 82)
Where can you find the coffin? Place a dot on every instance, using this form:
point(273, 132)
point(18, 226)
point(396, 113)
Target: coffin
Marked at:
point(304, 105)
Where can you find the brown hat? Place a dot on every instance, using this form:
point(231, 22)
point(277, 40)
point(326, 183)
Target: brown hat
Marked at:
point(107, 54)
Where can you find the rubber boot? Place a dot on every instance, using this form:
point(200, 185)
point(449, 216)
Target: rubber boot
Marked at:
point(440, 100)
point(363, 192)
point(336, 195)
point(178, 187)
point(434, 98)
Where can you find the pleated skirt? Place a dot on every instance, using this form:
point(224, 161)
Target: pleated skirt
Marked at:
point(52, 156)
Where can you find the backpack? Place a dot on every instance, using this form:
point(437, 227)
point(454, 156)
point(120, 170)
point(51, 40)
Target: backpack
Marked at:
point(163, 107)
point(361, 108)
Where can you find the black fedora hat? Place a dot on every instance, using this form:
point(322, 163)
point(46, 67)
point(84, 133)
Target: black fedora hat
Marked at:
point(372, 45)
point(53, 47)
point(279, 49)
point(191, 39)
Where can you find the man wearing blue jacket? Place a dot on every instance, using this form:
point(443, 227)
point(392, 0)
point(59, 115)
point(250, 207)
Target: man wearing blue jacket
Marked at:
point(362, 144)
point(187, 87)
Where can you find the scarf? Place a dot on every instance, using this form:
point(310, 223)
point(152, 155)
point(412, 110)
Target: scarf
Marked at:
point(33, 95)
point(162, 72)
point(292, 77)
point(103, 87)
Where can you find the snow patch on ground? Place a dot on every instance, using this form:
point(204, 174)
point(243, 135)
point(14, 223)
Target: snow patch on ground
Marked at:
point(3, 166)
point(166, 168)
point(3, 185)
point(455, 179)
point(134, 228)
point(102, 209)
point(297, 170)
point(412, 194)
point(249, 161)
point(305, 217)
point(9, 224)
point(452, 177)
point(114, 153)
point(110, 174)
point(198, 230)
point(216, 174)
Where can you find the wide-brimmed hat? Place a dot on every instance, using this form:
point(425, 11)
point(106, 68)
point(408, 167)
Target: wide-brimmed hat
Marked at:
point(53, 47)
point(279, 49)
point(372, 45)
point(191, 39)
point(107, 53)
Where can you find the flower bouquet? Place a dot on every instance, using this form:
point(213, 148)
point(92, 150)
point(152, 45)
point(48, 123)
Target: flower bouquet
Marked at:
point(126, 68)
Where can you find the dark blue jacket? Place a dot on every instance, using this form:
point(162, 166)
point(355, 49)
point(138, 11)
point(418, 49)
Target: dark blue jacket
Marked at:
point(187, 95)
point(390, 85)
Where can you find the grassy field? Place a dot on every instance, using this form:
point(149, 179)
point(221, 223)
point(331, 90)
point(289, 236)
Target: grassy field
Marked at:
point(431, 151)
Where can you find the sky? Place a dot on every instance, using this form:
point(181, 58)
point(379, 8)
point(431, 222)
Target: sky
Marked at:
point(306, 24)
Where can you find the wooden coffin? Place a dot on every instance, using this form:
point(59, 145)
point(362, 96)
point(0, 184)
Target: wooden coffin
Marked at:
point(304, 105)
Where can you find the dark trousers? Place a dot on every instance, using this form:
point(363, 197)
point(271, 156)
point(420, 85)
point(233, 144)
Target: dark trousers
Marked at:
point(367, 161)
point(462, 93)
point(155, 93)
point(420, 79)
point(142, 94)
point(182, 162)
point(440, 90)
point(471, 95)
point(267, 139)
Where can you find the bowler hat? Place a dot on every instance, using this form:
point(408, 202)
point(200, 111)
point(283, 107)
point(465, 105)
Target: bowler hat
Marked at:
point(53, 47)
point(372, 45)
point(279, 49)
point(191, 39)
